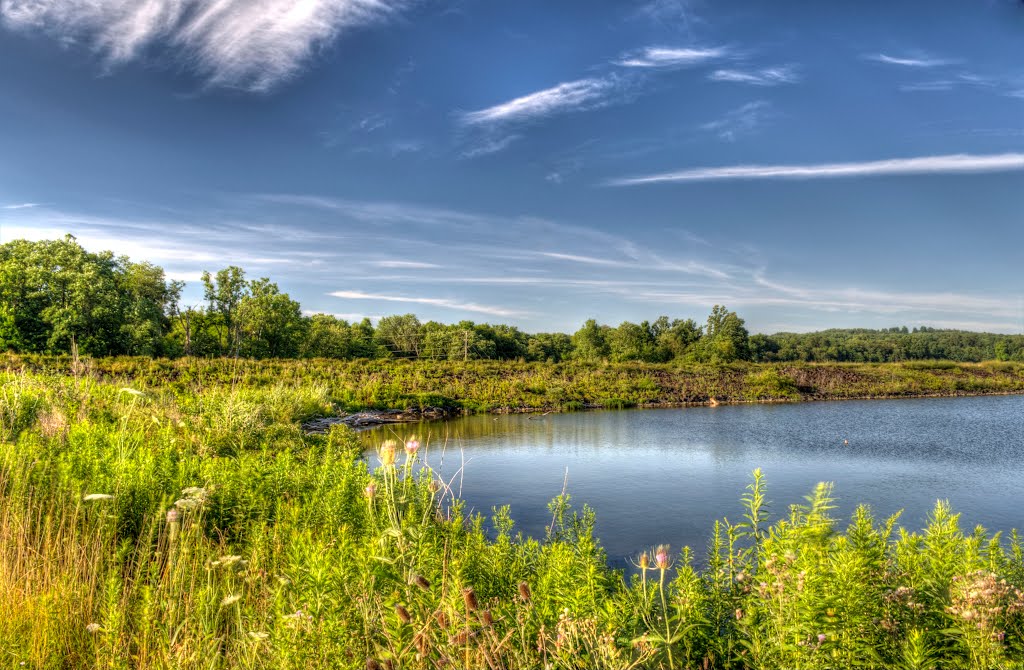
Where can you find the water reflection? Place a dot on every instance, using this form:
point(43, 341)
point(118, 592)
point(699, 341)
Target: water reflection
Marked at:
point(658, 476)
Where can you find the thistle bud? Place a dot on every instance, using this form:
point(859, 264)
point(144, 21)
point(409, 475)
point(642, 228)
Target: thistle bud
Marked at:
point(524, 592)
point(387, 453)
point(486, 619)
point(412, 445)
point(420, 581)
point(469, 598)
point(370, 490)
point(441, 618)
point(403, 614)
point(372, 664)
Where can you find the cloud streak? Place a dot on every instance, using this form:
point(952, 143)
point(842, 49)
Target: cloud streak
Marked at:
point(949, 164)
point(914, 62)
point(566, 97)
point(22, 205)
point(232, 43)
point(667, 57)
point(434, 302)
point(770, 76)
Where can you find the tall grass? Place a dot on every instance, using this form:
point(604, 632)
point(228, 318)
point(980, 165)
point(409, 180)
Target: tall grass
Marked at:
point(160, 528)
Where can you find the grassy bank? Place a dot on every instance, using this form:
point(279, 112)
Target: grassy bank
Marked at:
point(170, 528)
point(488, 386)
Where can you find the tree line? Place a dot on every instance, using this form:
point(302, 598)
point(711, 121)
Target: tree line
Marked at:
point(56, 297)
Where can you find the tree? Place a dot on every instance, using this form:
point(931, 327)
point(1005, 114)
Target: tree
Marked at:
point(676, 338)
point(400, 335)
point(270, 322)
point(725, 338)
point(224, 293)
point(590, 342)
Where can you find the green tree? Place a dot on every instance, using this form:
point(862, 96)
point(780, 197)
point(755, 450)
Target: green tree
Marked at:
point(590, 342)
point(269, 321)
point(400, 334)
point(224, 292)
point(725, 337)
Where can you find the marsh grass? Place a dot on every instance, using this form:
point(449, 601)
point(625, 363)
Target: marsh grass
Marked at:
point(162, 526)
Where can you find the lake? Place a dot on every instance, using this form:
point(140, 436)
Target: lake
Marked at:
point(665, 475)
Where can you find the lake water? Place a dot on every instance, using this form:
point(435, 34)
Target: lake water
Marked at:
point(664, 476)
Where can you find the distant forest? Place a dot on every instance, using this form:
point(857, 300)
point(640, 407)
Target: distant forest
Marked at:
point(58, 298)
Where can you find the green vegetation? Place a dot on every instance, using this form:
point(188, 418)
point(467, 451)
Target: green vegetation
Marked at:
point(55, 297)
point(503, 386)
point(191, 524)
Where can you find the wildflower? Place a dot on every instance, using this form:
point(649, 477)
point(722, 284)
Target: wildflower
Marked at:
point(194, 492)
point(370, 490)
point(92, 628)
point(387, 453)
point(372, 664)
point(185, 504)
point(134, 392)
point(740, 576)
point(469, 598)
point(403, 614)
point(739, 614)
point(411, 445)
point(230, 600)
point(442, 618)
point(172, 515)
point(90, 497)
point(661, 557)
point(821, 638)
point(645, 561)
point(486, 619)
point(258, 635)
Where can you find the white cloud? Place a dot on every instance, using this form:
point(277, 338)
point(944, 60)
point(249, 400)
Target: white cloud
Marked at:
point(740, 121)
point(23, 205)
point(435, 302)
point(566, 97)
point(956, 163)
point(237, 43)
point(918, 62)
point(771, 76)
point(667, 57)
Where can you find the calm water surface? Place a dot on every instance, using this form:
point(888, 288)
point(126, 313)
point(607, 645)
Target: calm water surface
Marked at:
point(664, 476)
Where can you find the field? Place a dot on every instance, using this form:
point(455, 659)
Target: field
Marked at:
point(160, 514)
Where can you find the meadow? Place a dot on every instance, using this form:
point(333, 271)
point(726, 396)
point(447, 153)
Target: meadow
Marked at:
point(159, 514)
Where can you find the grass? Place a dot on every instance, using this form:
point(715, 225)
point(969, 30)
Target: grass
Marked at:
point(185, 525)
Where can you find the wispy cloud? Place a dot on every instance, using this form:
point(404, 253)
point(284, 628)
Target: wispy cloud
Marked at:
point(435, 302)
point(771, 76)
point(234, 43)
point(566, 97)
point(918, 61)
point(743, 120)
point(22, 205)
point(669, 57)
point(490, 145)
point(413, 265)
point(955, 163)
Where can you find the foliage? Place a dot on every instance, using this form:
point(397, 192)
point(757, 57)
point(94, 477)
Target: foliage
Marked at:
point(152, 526)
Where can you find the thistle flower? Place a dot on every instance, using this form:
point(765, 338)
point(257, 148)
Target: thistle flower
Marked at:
point(387, 453)
point(661, 557)
point(821, 638)
point(486, 619)
point(411, 445)
point(370, 490)
point(442, 618)
point(644, 562)
point(173, 515)
point(372, 664)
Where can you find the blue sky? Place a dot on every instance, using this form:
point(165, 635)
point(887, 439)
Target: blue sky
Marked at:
point(808, 164)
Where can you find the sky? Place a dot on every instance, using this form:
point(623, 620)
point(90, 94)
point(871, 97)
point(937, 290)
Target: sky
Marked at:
point(808, 164)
